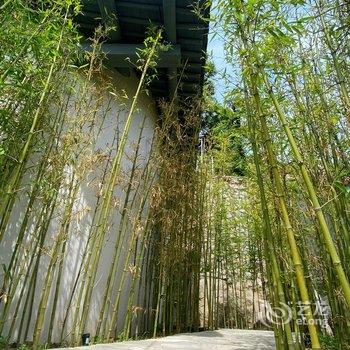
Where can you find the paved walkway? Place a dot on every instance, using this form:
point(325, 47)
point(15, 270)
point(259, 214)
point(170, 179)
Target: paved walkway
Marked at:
point(222, 339)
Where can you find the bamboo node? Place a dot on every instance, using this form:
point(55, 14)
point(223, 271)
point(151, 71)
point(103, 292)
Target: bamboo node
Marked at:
point(298, 264)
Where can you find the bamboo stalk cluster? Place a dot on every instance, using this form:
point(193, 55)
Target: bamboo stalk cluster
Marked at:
point(66, 196)
point(290, 66)
point(101, 224)
point(117, 225)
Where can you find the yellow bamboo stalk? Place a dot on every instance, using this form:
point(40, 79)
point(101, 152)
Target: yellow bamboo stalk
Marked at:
point(328, 240)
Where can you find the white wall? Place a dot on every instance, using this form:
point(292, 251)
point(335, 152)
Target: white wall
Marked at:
point(111, 111)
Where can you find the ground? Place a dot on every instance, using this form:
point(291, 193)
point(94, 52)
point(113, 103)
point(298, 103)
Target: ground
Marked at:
point(222, 339)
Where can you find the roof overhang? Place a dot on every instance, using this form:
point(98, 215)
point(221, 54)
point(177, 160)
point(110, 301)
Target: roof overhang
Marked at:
point(183, 29)
point(126, 55)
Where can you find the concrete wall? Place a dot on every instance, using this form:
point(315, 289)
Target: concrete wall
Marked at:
point(98, 120)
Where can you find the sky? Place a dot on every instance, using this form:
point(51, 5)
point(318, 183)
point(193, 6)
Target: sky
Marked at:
point(216, 52)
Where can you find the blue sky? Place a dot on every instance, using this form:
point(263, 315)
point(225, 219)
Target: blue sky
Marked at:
point(216, 52)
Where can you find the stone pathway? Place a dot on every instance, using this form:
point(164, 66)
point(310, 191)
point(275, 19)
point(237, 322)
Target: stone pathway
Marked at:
point(222, 339)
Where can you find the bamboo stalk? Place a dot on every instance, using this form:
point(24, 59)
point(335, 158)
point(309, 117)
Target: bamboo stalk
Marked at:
point(328, 240)
point(9, 198)
point(103, 217)
point(267, 226)
point(120, 239)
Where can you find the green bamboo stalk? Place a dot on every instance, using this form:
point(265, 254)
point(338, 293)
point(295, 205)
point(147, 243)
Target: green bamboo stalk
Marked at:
point(328, 240)
point(103, 217)
point(267, 226)
point(31, 289)
point(60, 241)
point(17, 276)
point(114, 320)
point(341, 214)
point(159, 295)
point(120, 239)
point(13, 288)
point(9, 197)
point(90, 246)
point(27, 44)
point(30, 206)
point(136, 276)
point(297, 262)
point(339, 74)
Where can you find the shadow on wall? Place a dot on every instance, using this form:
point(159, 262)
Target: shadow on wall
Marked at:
point(60, 216)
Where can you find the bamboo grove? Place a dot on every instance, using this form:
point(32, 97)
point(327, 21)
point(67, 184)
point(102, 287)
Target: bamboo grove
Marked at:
point(54, 112)
point(230, 213)
point(289, 64)
point(74, 208)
